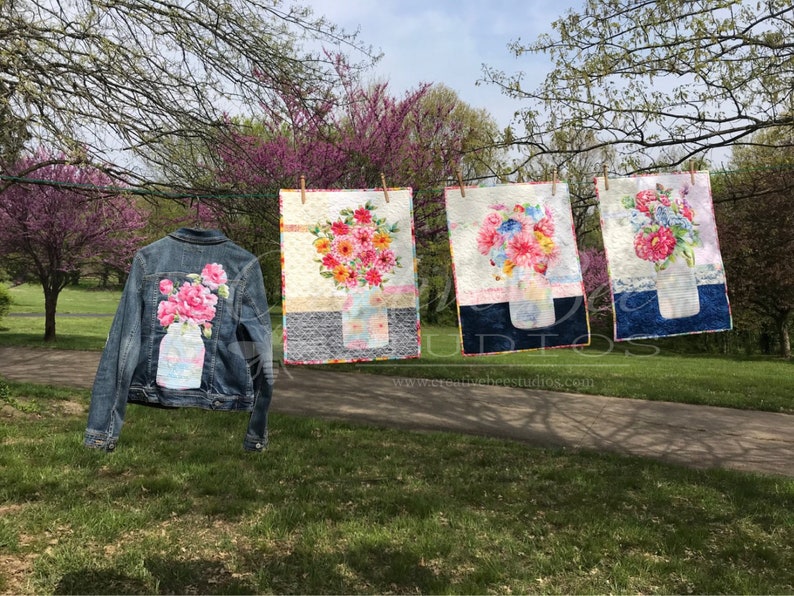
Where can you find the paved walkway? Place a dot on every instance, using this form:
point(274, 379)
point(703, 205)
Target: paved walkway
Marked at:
point(699, 436)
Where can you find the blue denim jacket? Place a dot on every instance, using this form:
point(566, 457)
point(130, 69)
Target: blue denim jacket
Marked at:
point(192, 286)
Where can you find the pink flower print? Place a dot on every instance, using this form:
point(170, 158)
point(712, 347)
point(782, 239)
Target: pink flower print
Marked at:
point(166, 286)
point(356, 327)
point(386, 261)
point(362, 215)
point(367, 256)
point(373, 277)
point(655, 245)
point(524, 250)
point(377, 299)
point(167, 311)
point(546, 225)
point(213, 276)
point(340, 228)
point(643, 199)
point(363, 236)
point(379, 328)
point(330, 261)
point(352, 279)
point(492, 219)
point(488, 238)
point(195, 303)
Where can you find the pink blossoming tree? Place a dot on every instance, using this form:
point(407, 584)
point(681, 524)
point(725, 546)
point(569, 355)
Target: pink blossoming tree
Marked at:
point(595, 275)
point(56, 228)
point(417, 140)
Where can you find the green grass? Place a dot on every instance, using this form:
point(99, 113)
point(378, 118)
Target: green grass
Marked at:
point(29, 298)
point(74, 330)
point(641, 369)
point(342, 508)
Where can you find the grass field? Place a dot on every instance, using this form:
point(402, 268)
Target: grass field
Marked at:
point(644, 369)
point(334, 508)
point(342, 508)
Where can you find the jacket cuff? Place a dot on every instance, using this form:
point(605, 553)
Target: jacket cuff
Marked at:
point(252, 443)
point(97, 440)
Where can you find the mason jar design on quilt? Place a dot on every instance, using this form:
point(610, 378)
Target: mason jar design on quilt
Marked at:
point(519, 244)
point(187, 314)
point(355, 252)
point(666, 235)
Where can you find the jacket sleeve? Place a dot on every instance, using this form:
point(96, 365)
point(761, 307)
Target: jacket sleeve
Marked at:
point(254, 334)
point(116, 366)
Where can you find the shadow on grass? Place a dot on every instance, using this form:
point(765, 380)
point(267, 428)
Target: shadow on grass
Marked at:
point(166, 576)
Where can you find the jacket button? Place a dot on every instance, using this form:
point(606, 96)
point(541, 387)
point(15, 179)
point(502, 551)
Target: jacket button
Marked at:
point(259, 445)
point(216, 403)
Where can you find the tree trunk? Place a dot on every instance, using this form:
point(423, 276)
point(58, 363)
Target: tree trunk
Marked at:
point(50, 306)
point(785, 340)
point(431, 313)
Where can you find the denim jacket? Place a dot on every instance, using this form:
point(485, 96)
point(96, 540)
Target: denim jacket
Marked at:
point(193, 291)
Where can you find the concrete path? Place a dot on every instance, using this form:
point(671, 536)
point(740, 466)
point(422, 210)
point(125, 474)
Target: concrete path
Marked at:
point(698, 436)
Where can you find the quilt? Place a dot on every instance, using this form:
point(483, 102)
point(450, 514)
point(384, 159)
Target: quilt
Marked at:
point(518, 280)
point(348, 276)
point(665, 268)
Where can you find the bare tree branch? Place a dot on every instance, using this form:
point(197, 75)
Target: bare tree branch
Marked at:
point(662, 82)
point(131, 82)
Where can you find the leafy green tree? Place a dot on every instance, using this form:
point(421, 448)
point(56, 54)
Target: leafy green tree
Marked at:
point(577, 169)
point(755, 219)
point(661, 81)
point(5, 301)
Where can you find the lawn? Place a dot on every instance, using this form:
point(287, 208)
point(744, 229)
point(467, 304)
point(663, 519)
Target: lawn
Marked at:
point(82, 320)
point(341, 508)
point(639, 369)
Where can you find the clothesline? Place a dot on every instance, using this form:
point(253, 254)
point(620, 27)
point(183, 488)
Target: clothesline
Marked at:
point(110, 189)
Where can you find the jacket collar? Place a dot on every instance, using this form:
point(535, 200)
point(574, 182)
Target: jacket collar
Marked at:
point(196, 236)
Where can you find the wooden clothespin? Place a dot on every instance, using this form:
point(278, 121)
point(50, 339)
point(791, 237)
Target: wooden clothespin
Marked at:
point(385, 190)
point(606, 180)
point(554, 182)
point(460, 183)
point(303, 190)
point(692, 171)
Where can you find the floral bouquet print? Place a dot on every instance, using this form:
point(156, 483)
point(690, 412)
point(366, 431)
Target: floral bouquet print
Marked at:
point(665, 227)
point(187, 314)
point(354, 250)
point(518, 237)
point(519, 243)
point(666, 235)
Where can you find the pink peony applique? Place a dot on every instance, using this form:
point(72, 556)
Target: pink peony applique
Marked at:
point(193, 303)
point(213, 276)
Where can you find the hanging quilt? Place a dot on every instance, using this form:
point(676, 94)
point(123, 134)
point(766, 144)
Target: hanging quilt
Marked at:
point(665, 267)
point(516, 268)
point(348, 276)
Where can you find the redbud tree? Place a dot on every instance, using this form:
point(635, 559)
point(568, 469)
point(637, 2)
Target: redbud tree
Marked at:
point(64, 224)
point(419, 140)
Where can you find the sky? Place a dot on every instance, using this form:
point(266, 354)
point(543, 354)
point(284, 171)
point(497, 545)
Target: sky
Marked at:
point(448, 41)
